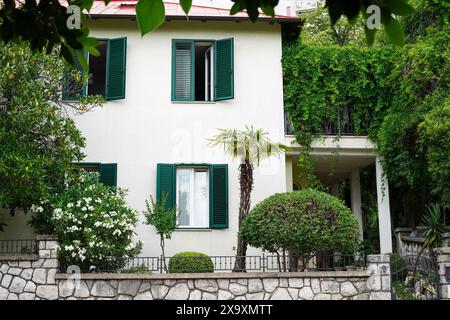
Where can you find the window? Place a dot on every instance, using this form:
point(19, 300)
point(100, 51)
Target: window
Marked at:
point(107, 171)
point(200, 192)
point(107, 72)
point(202, 70)
point(192, 197)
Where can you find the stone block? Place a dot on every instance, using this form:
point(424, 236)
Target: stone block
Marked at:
point(27, 274)
point(206, 285)
point(348, 289)
point(270, 284)
point(295, 282)
point(40, 276)
point(255, 285)
point(178, 292)
point(255, 296)
point(17, 285)
point(14, 271)
point(6, 281)
point(30, 287)
point(237, 289)
point(305, 293)
point(195, 295)
point(102, 289)
point(129, 287)
point(225, 295)
point(48, 292)
point(159, 291)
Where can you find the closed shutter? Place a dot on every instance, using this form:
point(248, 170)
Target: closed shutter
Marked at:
point(72, 89)
point(108, 174)
point(115, 69)
point(223, 70)
point(218, 196)
point(165, 183)
point(183, 83)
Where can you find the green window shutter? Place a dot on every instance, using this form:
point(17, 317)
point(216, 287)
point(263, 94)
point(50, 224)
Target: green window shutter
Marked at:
point(223, 69)
point(108, 174)
point(72, 90)
point(218, 207)
point(183, 75)
point(115, 69)
point(165, 183)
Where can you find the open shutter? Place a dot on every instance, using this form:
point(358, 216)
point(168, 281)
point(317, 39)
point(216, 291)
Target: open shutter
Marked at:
point(218, 196)
point(183, 63)
point(115, 69)
point(108, 174)
point(223, 70)
point(72, 90)
point(165, 183)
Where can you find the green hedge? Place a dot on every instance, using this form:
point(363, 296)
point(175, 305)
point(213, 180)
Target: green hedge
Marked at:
point(190, 262)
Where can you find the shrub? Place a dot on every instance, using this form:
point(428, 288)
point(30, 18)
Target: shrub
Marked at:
point(190, 262)
point(92, 221)
point(304, 222)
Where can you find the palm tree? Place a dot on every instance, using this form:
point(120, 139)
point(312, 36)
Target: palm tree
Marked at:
point(250, 146)
point(434, 230)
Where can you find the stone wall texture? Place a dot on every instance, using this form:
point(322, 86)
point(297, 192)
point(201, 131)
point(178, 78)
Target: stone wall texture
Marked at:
point(35, 277)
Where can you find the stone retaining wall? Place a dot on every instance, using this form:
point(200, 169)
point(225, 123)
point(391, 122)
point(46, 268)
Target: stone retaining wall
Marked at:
point(35, 277)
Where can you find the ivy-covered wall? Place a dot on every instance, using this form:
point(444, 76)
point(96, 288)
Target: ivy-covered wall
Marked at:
point(399, 97)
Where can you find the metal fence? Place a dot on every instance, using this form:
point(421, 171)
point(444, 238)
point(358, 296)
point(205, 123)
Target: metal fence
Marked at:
point(262, 263)
point(415, 276)
point(342, 125)
point(21, 246)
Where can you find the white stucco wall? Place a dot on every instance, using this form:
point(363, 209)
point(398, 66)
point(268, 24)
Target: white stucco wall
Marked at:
point(146, 127)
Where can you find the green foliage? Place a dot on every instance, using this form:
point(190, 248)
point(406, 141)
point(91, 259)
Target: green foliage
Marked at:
point(38, 139)
point(93, 222)
point(434, 226)
point(317, 31)
point(399, 97)
point(164, 220)
point(252, 145)
point(304, 222)
point(403, 291)
point(190, 262)
point(435, 133)
point(44, 27)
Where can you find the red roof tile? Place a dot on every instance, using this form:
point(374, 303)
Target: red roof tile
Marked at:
point(125, 8)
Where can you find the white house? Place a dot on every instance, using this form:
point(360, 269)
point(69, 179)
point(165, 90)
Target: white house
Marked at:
point(168, 92)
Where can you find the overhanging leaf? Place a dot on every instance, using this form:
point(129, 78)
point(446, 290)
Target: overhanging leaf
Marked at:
point(150, 14)
point(395, 32)
point(186, 5)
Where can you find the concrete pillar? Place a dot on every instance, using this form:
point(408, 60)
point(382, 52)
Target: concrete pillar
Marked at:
point(443, 263)
point(289, 175)
point(356, 200)
point(384, 212)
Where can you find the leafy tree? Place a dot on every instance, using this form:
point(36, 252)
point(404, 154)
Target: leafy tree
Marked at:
point(250, 146)
point(162, 219)
point(317, 30)
point(43, 24)
point(38, 139)
point(304, 223)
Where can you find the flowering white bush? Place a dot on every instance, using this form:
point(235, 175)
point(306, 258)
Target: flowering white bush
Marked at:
point(92, 221)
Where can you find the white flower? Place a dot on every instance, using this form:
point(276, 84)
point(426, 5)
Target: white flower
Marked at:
point(69, 205)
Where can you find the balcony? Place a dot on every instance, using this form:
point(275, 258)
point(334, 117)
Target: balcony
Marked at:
point(343, 125)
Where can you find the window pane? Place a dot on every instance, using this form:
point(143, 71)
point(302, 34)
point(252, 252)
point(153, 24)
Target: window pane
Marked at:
point(201, 205)
point(183, 195)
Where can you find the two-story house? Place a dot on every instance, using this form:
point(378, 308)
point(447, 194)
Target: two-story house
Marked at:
point(170, 91)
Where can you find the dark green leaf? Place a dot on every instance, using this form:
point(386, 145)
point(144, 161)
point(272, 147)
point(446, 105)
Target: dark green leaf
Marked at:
point(395, 32)
point(186, 5)
point(150, 14)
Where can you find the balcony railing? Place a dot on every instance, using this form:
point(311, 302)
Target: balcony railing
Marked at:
point(18, 246)
point(343, 125)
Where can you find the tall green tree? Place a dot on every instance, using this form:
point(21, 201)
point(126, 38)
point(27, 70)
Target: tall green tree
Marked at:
point(250, 146)
point(38, 139)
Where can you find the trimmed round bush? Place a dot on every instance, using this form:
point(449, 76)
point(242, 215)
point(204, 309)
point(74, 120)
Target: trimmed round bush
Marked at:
point(302, 222)
point(190, 262)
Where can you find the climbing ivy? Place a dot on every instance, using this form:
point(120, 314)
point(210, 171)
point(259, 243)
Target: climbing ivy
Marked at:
point(397, 96)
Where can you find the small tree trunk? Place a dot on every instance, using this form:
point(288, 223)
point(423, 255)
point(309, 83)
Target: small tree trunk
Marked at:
point(161, 243)
point(246, 186)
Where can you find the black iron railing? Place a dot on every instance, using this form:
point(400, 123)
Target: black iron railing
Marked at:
point(262, 263)
point(18, 246)
point(342, 125)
